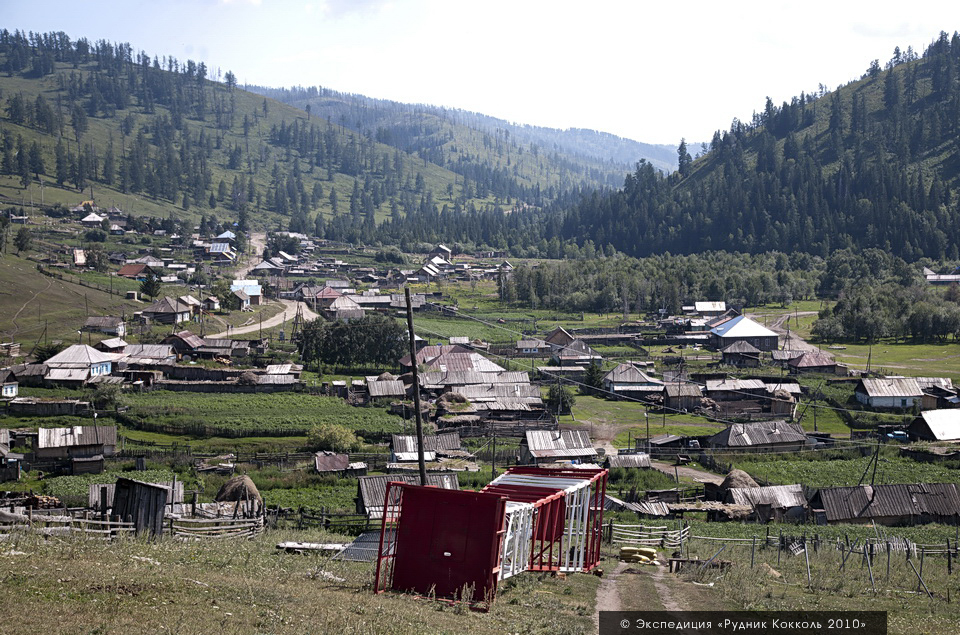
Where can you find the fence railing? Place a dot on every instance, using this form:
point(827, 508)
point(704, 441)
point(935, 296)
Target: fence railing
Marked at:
point(215, 528)
point(61, 525)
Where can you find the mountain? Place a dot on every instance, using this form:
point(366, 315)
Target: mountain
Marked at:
point(158, 137)
point(437, 132)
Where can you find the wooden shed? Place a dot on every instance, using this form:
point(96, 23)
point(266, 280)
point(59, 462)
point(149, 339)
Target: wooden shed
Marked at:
point(143, 503)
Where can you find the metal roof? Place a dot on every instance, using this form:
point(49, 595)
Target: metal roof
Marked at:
point(494, 392)
point(812, 359)
point(731, 383)
point(710, 307)
point(761, 433)
point(897, 387)
point(741, 347)
point(777, 496)
point(372, 490)
point(468, 378)
point(877, 501)
point(629, 374)
point(76, 436)
point(79, 355)
point(944, 425)
point(641, 459)
point(563, 443)
point(67, 374)
point(387, 388)
point(742, 326)
point(792, 388)
point(431, 443)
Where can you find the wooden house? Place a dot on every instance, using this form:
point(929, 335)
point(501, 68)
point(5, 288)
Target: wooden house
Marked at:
point(327, 462)
point(9, 386)
point(742, 354)
point(167, 311)
point(136, 271)
point(558, 338)
point(766, 435)
point(184, 342)
point(626, 380)
point(813, 362)
point(105, 324)
point(774, 502)
point(532, 347)
point(743, 329)
point(77, 364)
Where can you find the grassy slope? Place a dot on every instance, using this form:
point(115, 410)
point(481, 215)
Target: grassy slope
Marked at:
point(75, 586)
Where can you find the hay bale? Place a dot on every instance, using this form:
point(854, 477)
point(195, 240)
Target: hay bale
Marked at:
point(782, 395)
point(386, 376)
point(452, 398)
point(239, 488)
point(247, 378)
point(738, 478)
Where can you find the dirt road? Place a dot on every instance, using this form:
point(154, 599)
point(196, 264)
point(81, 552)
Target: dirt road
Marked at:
point(278, 319)
point(701, 476)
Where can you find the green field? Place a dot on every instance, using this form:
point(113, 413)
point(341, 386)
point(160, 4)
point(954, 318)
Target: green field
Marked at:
point(822, 469)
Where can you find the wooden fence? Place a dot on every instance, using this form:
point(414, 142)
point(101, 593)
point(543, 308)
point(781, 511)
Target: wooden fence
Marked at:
point(214, 528)
point(61, 525)
point(661, 536)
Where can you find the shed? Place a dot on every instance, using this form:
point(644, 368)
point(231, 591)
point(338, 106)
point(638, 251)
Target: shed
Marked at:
point(683, 396)
point(327, 462)
point(771, 502)
point(888, 504)
point(76, 442)
point(936, 425)
point(813, 362)
point(372, 490)
point(742, 354)
point(143, 503)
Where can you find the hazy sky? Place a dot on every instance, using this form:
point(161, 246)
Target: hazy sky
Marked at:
point(653, 72)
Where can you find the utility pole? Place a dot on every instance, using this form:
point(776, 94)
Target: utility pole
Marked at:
point(416, 389)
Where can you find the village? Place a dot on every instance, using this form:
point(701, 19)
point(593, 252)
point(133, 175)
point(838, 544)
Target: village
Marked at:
point(668, 433)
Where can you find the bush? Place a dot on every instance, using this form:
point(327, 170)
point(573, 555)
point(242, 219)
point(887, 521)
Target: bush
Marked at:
point(330, 436)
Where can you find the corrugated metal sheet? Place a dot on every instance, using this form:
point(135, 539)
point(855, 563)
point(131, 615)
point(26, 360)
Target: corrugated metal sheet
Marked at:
point(372, 490)
point(79, 355)
point(812, 359)
point(493, 392)
point(467, 378)
point(760, 433)
point(565, 443)
point(68, 374)
point(630, 374)
point(638, 460)
point(777, 496)
point(880, 501)
point(714, 385)
point(897, 387)
point(386, 388)
point(431, 443)
point(330, 462)
point(76, 436)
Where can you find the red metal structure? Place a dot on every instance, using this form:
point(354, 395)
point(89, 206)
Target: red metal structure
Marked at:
point(460, 544)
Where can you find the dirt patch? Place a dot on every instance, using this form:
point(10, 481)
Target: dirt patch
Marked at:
point(664, 590)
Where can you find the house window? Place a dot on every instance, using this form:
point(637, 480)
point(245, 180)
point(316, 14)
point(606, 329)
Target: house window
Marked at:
point(903, 403)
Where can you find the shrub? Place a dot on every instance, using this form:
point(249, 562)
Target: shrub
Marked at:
point(330, 436)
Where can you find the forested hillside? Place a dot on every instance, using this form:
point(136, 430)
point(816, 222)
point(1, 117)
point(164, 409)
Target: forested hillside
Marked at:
point(871, 164)
point(465, 141)
point(160, 136)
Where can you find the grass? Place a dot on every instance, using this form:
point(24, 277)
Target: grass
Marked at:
point(84, 586)
point(826, 469)
point(240, 415)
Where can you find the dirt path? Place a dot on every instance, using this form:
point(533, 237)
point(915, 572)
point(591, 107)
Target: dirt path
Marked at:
point(701, 476)
point(276, 320)
point(608, 595)
point(258, 241)
point(664, 591)
point(790, 341)
point(16, 327)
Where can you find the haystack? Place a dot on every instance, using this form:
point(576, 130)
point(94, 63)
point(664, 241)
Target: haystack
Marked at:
point(452, 398)
point(239, 488)
point(386, 376)
point(738, 478)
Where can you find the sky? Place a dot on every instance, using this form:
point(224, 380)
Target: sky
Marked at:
point(652, 72)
